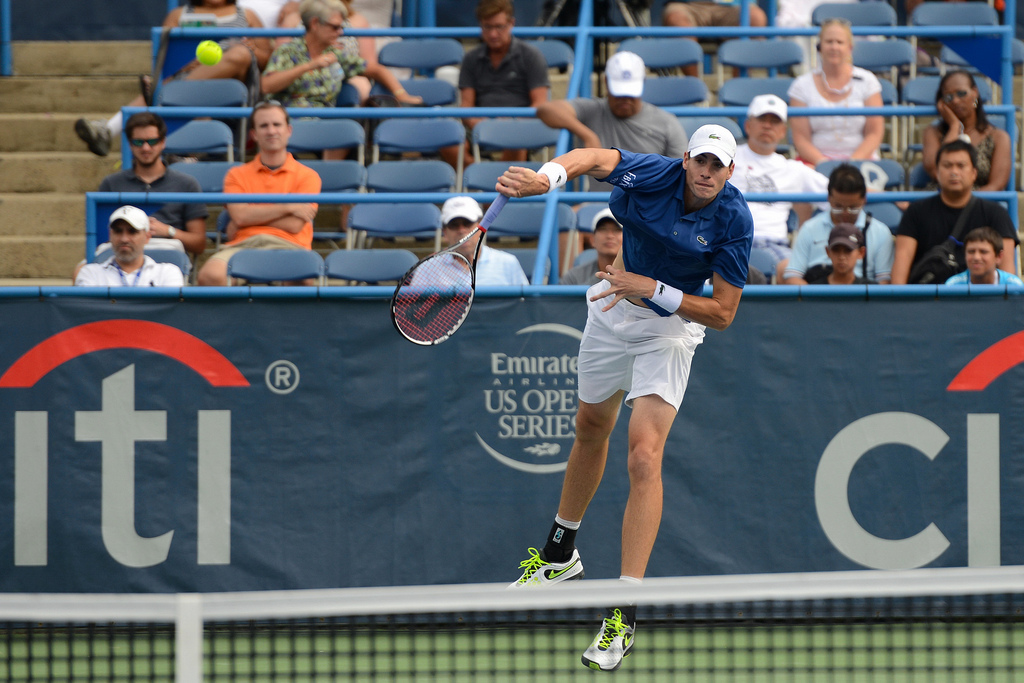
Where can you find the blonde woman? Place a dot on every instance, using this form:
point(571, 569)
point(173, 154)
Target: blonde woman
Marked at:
point(836, 83)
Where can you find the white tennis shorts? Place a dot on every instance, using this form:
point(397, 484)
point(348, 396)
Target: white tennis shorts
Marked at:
point(634, 349)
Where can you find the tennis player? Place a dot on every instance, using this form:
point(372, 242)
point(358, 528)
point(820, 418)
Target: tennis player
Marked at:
point(682, 224)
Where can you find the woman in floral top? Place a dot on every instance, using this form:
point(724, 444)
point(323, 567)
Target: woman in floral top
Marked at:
point(309, 71)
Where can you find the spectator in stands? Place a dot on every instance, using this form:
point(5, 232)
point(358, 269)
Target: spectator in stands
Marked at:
point(366, 48)
point(702, 13)
point(459, 217)
point(129, 266)
point(236, 62)
point(982, 249)
point(502, 71)
point(929, 222)
point(846, 198)
point(962, 116)
point(309, 71)
point(621, 120)
point(836, 83)
point(845, 249)
point(607, 241)
point(273, 171)
point(759, 168)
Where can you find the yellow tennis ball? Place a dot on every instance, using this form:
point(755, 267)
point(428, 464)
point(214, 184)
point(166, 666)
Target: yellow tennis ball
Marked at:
point(208, 52)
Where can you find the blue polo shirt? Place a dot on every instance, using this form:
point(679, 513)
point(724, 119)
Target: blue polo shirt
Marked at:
point(660, 241)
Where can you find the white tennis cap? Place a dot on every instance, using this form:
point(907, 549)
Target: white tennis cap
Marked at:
point(625, 73)
point(604, 215)
point(715, 139)
point(460, 207)
point(767, 104)
point(131, 215)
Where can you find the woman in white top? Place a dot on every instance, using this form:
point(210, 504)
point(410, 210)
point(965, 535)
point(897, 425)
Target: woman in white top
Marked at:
point(836, 83)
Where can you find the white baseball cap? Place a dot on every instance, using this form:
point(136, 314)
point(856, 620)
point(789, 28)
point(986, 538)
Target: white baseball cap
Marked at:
point(625, 72)
point(767, 104)
point(460, 207)
point(131, 215)
point(715, 139)
point(604, 215)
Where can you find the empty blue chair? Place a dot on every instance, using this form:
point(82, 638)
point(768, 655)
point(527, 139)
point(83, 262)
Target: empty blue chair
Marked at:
point(675, 91)
point(524, 220)
point(422, 54)
point(737, 92)
point(213, 92)
point(369, 265)
point(483, 175)
point(692, 123)
point(557, 53)
point(316, 135)
point(764, 260)
point(918, 178)
point(210, 174)
point(747, 54)
point(864, 13)
point(413, 175)
point(367, 222)
point(885, 56)
point(498, 134)
point(425, 136)
point(665, 54)
point(528, 259)
point(202, 137)
point(344, 175)
point(263, 266)
point(887, 212)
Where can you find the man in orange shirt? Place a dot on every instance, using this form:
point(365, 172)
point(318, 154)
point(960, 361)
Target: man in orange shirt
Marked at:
point(273, 171)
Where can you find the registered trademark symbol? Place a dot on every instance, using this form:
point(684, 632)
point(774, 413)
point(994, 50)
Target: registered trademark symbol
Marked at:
point(282, 377)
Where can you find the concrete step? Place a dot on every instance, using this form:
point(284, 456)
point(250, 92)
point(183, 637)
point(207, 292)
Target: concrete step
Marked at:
point(45, 133)
point(57, 58)
point(71, 94)
point(53, 171)
point(53, 214)
point(40, 257)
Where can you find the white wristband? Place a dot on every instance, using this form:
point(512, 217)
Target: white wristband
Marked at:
point(171, 231)
point(667, 297)
point(556, 175)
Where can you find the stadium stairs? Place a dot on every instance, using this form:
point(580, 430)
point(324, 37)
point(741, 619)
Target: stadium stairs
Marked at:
point(44, 167)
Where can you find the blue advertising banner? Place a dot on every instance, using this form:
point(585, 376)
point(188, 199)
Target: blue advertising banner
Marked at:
point(210, 445)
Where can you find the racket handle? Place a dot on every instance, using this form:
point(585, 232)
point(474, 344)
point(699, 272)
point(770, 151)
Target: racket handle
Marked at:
point(492, 212)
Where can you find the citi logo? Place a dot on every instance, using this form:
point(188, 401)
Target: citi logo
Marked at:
point(118, 426)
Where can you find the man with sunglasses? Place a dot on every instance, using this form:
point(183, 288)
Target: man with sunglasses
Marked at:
point(184, 223)
point(847, 194)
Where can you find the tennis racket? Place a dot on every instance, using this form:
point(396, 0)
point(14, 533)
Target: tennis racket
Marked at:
point(433, 298)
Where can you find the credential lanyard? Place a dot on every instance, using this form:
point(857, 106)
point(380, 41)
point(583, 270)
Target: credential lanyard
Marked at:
point(124, 280)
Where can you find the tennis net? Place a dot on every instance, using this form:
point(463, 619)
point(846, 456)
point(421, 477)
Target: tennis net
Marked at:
point(919, 625)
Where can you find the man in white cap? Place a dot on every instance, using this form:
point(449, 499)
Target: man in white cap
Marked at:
point(682, 223)
point(459, 217)
point(607, 241)
point(622, 119)
point(129, 266)
point(759, 168)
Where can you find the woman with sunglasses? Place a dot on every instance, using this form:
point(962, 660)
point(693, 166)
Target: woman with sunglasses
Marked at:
point(836, 83)
point(309, 71)
point(962, 116)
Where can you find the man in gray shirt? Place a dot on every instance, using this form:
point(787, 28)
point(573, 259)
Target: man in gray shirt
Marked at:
point(622, 120)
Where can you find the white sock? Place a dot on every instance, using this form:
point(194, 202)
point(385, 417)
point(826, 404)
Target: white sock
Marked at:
point(566, 523)
point(115, 125)
point(631, 579)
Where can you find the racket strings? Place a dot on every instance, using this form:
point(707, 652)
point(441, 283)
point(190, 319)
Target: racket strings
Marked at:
point(434, 298)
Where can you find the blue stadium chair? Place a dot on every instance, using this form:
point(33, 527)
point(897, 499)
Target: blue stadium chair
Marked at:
point(893, 170)
point(557, 53)
point(264, 266)
point(425, 136)
point(865, 13)
point(737, 92)
point(692, 123)
point(744, 54)
point(367, 222)
point(498, 134)
point(422, 55)
point(370, 266)
point(202, 137)
point(482, 176)
point(887, 212)
point(316, 135)
point(952, 14)
point(675, 91)
point(434, 91)
point(886, 56)
point(585, 215)
point(918, 178)
point(412, 175)
point(214, 92)
point(348, 97)
point(524, 221)
point(764, 260)
point(665, 55)
point(528, 259)
point(890, 96)
point(210, 174)
point(344, 175)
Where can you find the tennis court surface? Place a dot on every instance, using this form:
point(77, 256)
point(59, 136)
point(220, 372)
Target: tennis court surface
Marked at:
point(926, 625)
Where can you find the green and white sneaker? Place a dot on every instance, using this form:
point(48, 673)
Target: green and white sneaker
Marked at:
point(612, 644)
point(539, 572)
